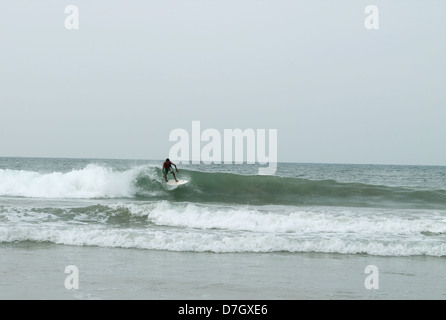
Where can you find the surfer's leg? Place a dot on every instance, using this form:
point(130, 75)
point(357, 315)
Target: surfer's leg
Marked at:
point(174, 176)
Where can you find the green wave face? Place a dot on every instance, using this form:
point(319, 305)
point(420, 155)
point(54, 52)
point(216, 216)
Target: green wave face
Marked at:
point(274, 190)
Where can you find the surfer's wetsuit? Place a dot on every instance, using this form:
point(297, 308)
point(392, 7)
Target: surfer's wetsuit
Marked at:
point(167, 167)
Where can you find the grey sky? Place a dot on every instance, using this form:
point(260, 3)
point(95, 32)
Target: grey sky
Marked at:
point(135, 70)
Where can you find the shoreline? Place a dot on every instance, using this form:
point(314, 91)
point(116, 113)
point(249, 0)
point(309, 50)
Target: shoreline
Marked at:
point(32, 271)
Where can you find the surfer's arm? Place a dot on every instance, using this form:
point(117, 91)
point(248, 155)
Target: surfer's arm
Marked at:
point(175, 166)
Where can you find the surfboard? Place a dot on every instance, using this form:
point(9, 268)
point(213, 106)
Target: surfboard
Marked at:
point(174, 183)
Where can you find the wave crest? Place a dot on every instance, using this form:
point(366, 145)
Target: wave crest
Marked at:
point(145, 183)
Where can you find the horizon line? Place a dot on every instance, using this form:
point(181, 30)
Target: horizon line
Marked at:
point(162, 159)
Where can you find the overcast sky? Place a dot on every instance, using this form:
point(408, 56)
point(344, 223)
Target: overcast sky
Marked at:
point(135, 70)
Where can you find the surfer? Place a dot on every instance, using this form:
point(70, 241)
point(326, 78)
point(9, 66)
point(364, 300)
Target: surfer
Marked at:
point(167, 167)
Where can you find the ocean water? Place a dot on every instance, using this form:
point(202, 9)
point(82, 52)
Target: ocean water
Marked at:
point(327, 208)
point(367, 211)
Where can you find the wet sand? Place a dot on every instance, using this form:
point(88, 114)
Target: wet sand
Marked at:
point(37, 271)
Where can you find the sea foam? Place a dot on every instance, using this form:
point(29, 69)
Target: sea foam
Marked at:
point(93, 181)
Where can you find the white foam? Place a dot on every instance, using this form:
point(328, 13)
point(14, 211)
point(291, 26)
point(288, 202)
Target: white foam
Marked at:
point(291, 220)
point(217, 228)
point(91, 182)
point(187, 240)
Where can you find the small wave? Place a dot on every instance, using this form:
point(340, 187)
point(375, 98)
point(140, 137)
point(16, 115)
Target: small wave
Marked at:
point(219, 242)
point(163, 225)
